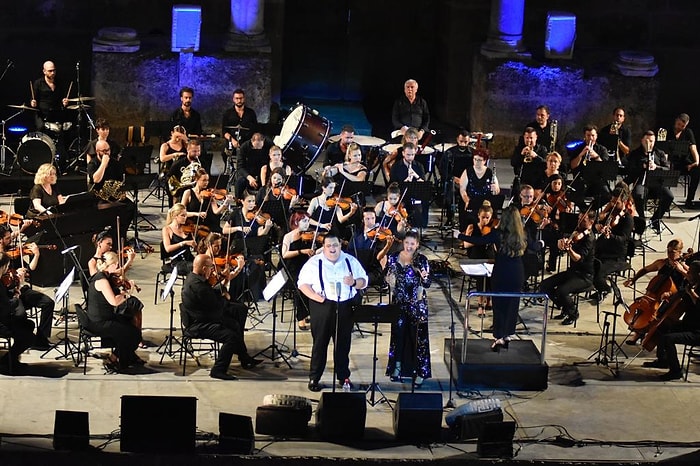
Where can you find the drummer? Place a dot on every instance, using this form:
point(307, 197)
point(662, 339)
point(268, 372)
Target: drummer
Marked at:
point(44, 194)
point(49, 96)
point(238, 122)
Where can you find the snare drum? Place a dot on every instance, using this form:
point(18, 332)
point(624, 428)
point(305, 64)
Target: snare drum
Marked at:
point(34, 150)
point(53, 127)
point(303, 134)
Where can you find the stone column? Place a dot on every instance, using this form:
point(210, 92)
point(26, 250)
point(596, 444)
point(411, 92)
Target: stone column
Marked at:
point(505, 30)
point(247, 32)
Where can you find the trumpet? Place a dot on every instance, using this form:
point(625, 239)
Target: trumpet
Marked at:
point(553, 134)
point(587, 157)
point(661, 134)
point(615, 128)
point(527, 157)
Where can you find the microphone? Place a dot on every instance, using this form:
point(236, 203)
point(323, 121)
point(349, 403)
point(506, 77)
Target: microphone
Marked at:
point(337, 290)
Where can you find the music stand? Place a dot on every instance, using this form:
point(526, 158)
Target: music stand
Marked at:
point(167, 344)
point(420, 193)
point(376, 314)
point(62, 294)
point(657, 179)
point(270, 292)
point(134, 183)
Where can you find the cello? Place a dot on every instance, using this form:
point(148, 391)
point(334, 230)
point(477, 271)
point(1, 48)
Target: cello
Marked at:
point(643, 310)
point(670, 311)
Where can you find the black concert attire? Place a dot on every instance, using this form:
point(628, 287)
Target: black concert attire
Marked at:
point(32, 298)
point(278, 208)
point(399, 172)
point(249, 161)
point(534, 252)
point(182, 258)
point(414, 115)
point(612, 252)
point(683, 332)
point(508, 276)
point(478, 190)
point(645, 184)
point(114, 148)
point(485, 251)
point(294, 264)
point(114, 172)
point(528, 172)
point(254, 247)
point(107, 321)
point(49, 103)
point(14, 323)
point(323, 276)
point(608, 140)
point(591, 181)
point(212, 220)
point(365, 249)
point(544, 135)
point(577, 277)
point(333, 154)
point(166, 167)
point(212, 316)
point(47, 200)
point(453, 163)
point(680, 157)
point(249, 120)
point(193, 123)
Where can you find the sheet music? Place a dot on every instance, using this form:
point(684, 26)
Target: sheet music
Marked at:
point(477, 270)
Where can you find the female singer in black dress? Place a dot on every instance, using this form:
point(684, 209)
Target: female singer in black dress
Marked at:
point(408, 273)
point(44, 193)
point(508, 272)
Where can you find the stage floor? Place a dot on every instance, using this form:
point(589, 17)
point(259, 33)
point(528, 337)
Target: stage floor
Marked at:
point(629, 418)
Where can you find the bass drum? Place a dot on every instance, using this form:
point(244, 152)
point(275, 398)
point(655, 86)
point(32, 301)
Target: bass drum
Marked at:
point(34, 150)
point(303, 134)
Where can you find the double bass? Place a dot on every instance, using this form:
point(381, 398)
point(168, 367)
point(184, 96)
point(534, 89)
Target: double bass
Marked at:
point(669, 312)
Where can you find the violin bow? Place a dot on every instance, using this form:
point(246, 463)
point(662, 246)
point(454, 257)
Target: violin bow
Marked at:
point(535, 203)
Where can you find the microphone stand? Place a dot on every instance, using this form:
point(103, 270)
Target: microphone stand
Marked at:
point(294, 353)
point(338, 287)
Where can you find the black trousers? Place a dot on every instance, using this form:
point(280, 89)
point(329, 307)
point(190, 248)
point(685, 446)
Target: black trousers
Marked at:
point(662, 193)
point(607, 268)
point(22, 331)
point(122, 332)
point(323, 325)
point(228, 332)
point(672, 336)
point(560, 286)
point(33, 298)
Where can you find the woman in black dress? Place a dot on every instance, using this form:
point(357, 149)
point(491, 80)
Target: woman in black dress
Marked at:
point(177, 244)
point(477, 184)
point(508, 272)
point(44, 194)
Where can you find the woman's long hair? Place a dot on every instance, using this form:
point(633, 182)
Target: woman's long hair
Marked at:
point(513, 242)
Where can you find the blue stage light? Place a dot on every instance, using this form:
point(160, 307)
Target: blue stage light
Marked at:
point(17, 129)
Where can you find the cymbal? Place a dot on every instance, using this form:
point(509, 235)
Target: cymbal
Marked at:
point(81, 99)
point(236, 127)
point(77, 107)
point(24, 107)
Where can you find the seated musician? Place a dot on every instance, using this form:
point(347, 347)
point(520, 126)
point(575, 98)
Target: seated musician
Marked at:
point(673, 330)
point(671, 274)
point(277, 199)
point(252, 157)
point(528, 160)
point(477, 183)
point(614, 228)
point(644, 159)
point(105, 173)
point(296, 250)
point(176, 241)
point(102, 130)
point(391, 212)
point(369, 249)
point(454, 162)
point(578, 276)
point(212, 315)
point(103, 243)
point(411, 135)
point(324, 208)
point(29, 297)
point(44, 194)
point(183, 170)
point(201, 202)
point(534, 213)
point(556, 199)
point(552, 166)
point(407, 169)
point(487, 252)
point(13, 324)
point(276, 161)
point(111, 313)
point(170, 152)
point(351, 169)
point(584, 159)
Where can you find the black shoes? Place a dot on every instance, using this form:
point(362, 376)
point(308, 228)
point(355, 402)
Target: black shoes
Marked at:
point(671, 375)
point(249, 363)
point(568, 320)
point(656, 364)
point(222, 375)
point(315, 386)
point(599, 296)
point(559, 316)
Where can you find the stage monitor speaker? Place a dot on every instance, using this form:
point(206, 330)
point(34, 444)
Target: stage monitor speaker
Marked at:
point(418, 417)
point(560, 35)
point(341, 416)
point(187, 24)
point(236, 434)
point(158, 424)
point(282, 421)
point(496, 440)
point(71, 430)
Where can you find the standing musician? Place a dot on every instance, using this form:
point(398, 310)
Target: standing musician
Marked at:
point(391, 212)
point(614, 227)
point(671, 272)
point(371, 245)
point(617, 137)
point(28, 297)
point(238, 116)
point(106, 167)
point(185, 116)
point(49, 96)
point(202, 202)
point(177, 243)
point(583, 159)
point(102, 130)
point(331, 281)
point(487, 252)
point(579, 275)
point(297, 246)
point(477, 183)
point(250, 160)
point(685, 331)
point(111, 312)
point(644, 159)
point(528, 160)
point(543, 127)
point(183, 170)
point(410, 110)
point(324, 208)
point(13, 323)
point(44, 194)
point(276, 161)
point(351, 169)
point(212, 315)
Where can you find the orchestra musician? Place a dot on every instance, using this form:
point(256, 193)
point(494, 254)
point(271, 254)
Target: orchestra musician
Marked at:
point(297, 247)
point(557, 200)
point(407, 169)
point(324, 208)
point(528, 159)
point(410, 110)
point(203, 203)
point(335, 151)
point(240, 116)
point(617, 137)
point(172, 150)
point(102, 130)
point(583, 159)
point(371, 246)
point(552, 165)
point(454, 162)
point(212, 316)
point(110, 312)
point(411, 135)
point(28, 297)
point(331, 280)
point(185, 116)
point(49, 96)
point(542, 126)
point(534, 213)
point(477, 183)
point(391, 212)
point(183, 170)
point(579, 275)
point(44, 194)
point(408, 273)
point(351, 169)
point(103, 243)
point(486, 222)
point(177, 243)
point(14, 324)
point(104, 167)
point(275, 154)
point(250, 162)
point(684, 156)
point(277, 199)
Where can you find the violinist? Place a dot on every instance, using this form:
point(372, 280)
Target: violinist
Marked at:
point(325, 208)
point(110, 311)
point(29, 297)
point(528, 159)
point(477, 183)
point(103, 242)
point(487, 252)
point(557, 200)
point(672, 267)
point(248, 220)
point(683, 332)
point(615, 233)
point(371, 245)
point(201, 202)
point(275, 155)
point(44, 194)
point(391, 213)
point(584, 158)
point(13, 323)
point(640, 162)
point(276, 201)
point(351, 169)
point(177, 243)
point(535, 216)
point(296, 250)
point(579, 275)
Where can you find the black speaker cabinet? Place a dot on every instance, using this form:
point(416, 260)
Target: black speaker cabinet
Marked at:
point(282, 421)
point(341, 416)
point(158, 424)
point(496, 440)
point(71, 430)
point(418, 417)
point(236, 434)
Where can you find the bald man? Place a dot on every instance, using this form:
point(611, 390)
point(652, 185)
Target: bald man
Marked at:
point(213, 316)
point(104, 167)
point(50, 97)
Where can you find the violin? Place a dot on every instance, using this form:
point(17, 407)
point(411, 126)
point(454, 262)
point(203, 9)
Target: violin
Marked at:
point(10, 279)
point(309, 236)
point(398, 212)
point(558, 201)
point(191, 228)
point(231, 260)
point(381, 233)
point(343, 202)
point(216, 194)
point(488, 228)
point(260, 218)
point(534, 212)
point(14, 253)
point(286, 192)
point(117, 281)
point(14, 220)
point(579, 235)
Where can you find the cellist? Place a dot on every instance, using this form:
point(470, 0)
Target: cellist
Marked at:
point(672, 268)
